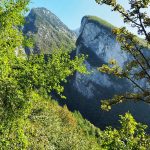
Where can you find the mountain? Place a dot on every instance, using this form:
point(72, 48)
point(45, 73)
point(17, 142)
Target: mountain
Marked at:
point(85, 92)
point(95, 39)
point(76, 31)
point(48, 31)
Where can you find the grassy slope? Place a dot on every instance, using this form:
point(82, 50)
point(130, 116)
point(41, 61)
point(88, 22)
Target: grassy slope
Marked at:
point(55, 127)
point(100, 21)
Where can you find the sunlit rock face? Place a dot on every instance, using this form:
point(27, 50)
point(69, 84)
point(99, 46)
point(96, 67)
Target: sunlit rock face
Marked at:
point(98, 42)
point(86, 91)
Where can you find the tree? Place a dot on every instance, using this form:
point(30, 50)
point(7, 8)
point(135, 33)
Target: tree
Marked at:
point(21, 76)
point(130, 136)
point(137, 70)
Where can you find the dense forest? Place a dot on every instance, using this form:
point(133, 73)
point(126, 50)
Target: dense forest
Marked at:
point(30, 118)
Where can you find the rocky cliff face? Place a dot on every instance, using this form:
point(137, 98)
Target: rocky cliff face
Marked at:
point(97, 41)
point(85, 91)
point(47, 31)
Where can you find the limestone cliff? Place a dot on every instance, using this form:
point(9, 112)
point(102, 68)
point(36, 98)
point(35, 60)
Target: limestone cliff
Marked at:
point(85, 91)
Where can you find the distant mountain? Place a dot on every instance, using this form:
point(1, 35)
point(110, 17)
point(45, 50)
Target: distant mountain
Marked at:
point(77, 31)
point(48, 31)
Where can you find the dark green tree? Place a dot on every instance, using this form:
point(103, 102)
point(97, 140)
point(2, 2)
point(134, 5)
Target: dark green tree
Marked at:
point(137, 69)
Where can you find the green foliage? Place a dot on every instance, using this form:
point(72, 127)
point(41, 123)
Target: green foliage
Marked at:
point(54, 127)
point(88, 128)
point(130, 136)
point(101, 21)
point(46, 126)
point(137, 68)
point(20, 75)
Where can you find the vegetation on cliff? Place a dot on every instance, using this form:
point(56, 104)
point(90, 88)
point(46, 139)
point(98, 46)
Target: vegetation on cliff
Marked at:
point(100, 21)
point(48, 32)
point(137, 68)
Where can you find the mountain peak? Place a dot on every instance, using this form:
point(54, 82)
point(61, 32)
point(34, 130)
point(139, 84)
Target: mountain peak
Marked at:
point(48, 31)
point(44, 15)
point(41, 11)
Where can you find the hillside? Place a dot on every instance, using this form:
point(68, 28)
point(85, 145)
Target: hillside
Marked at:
point(48, 31)
point(57, 128)
point(52, 127)
point(49, 126)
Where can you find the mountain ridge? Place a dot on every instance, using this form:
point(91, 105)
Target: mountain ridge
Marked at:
point(96, 40)
point(85, 92)
point(48, 31)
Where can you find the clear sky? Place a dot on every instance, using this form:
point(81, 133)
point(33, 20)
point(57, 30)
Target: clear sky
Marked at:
point(72, 11)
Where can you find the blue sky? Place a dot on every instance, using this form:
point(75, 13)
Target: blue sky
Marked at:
point(72, 11)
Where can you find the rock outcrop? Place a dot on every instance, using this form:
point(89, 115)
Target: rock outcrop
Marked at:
point(85, 91)
point(95, 39)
